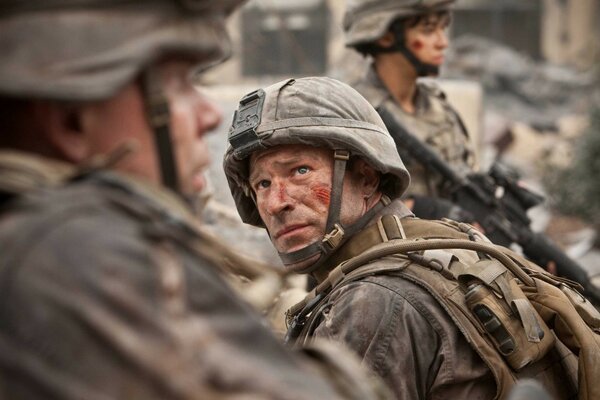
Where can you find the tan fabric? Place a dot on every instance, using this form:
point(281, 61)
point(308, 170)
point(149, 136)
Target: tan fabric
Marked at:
point(23, 172)
point(554, 306)
point(413, 325)
point(434, 122)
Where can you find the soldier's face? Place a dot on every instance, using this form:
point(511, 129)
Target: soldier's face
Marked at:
point(192, 117)
point(429, 38)
point(292, 184)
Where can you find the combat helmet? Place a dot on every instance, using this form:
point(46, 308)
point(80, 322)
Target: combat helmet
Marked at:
point(319, 112)
point(86, 50)
point(366, 21)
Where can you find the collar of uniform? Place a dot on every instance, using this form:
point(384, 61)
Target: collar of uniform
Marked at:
point(377, 93)
point(363, 240)
point(372, 88)
point(161, 197)
point(22, 172)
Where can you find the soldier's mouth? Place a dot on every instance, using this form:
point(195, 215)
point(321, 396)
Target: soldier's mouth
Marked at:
point(289, 230)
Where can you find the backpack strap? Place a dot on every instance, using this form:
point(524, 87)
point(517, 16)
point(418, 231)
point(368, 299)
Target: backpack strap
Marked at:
point(391, 227)
point(391, 236)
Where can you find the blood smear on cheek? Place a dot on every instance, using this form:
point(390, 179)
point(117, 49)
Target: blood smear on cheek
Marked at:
point(322, 193)
point(417, 45)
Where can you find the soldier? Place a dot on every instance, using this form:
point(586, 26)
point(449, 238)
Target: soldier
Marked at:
point(406, 40)
point(312, 162)
point(109, 288)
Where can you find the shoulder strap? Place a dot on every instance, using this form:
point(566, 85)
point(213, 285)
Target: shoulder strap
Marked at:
point(391, 227)
point(391, 235)
point(410, 248)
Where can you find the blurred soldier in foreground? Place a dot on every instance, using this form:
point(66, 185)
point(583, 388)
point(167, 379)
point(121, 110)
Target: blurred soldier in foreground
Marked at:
point(406, 40)
point(431, 306)
point(108, 288)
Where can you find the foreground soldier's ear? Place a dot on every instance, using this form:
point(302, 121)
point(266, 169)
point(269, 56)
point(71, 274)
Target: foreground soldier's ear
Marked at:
point(368, 177)
point(64, 129)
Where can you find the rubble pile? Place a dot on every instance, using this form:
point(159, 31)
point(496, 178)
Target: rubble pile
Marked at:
point(523, 90)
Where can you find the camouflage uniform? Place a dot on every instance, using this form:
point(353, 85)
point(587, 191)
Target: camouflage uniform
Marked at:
point(434, 122)
point(110, 290)
point(402, 326)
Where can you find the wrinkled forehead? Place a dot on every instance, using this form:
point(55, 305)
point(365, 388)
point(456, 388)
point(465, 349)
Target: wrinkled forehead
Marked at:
point(288, 153)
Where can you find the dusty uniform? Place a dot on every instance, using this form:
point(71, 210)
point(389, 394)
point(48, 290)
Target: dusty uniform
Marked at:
point(406, 335)
point(432, 306)
point(109, 291)
point(435, 122)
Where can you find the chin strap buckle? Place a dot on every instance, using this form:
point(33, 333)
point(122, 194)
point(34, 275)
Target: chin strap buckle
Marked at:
point(340, 154)
point(334, 238)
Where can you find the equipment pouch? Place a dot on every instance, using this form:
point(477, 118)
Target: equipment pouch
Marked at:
point(521, 336)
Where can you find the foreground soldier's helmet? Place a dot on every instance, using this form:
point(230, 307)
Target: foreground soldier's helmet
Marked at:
point(365, 21)
point(319, 112)
point(80, 50)
point(89, 49)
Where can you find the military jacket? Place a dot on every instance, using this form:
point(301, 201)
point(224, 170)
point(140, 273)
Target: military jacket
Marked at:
point(111, 291)
point(404, 331)
point(435, 122)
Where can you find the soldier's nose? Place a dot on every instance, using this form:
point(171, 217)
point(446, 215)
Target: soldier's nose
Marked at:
point(209, 115)
point(279, 199)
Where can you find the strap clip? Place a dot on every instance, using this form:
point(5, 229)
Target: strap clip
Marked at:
point(334, 238)
point(343, 155)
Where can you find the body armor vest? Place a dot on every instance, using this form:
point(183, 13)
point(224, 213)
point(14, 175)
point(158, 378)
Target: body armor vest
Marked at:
point(515, 331)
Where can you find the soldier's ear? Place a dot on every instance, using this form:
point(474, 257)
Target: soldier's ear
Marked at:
point(386, 40)
point(368, 177)
point(63, 128)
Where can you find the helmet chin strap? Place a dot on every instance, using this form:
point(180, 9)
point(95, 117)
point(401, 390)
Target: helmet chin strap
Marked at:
point(158, 115)
point(422, 69)
point(335, 233)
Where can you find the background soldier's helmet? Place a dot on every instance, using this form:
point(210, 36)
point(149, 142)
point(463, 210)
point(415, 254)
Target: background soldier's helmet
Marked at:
point(365, 21)
point(319, 112)
point(89, 49)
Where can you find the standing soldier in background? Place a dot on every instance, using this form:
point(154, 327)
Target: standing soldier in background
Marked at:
point(109, 289)
point(406, 40)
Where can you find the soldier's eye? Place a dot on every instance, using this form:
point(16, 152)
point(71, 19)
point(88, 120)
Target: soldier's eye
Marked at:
point(302, 170)
point(428, 29)
point(263, 184)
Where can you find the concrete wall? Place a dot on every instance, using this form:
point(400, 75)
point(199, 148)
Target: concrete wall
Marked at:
point(571, 33)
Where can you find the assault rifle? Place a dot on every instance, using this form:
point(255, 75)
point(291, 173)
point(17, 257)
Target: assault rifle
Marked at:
point(498, 203)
